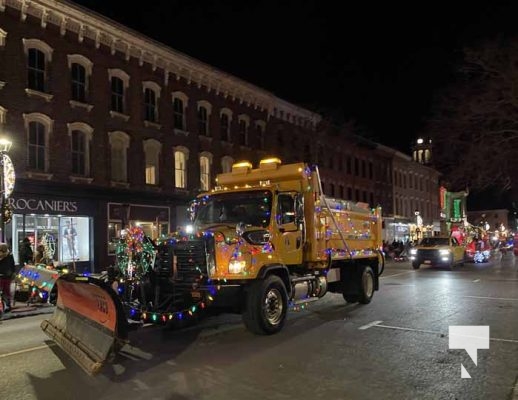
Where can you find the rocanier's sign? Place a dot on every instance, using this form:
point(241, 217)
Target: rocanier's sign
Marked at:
point(35, 205)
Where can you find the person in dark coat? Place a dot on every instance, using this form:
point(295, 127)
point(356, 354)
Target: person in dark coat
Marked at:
point(7, 269)
point(26, 254)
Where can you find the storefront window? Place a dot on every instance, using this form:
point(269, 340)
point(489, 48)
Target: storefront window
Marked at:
point(67, 238)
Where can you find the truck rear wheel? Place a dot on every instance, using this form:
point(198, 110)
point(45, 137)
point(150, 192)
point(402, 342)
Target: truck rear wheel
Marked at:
point(416, 264)
point(266, 306)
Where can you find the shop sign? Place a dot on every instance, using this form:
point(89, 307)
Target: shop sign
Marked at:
point(42, 205)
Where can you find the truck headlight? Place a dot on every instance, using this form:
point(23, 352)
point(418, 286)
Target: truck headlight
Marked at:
point(444, 252)
point(236, 266)
point(413, 252)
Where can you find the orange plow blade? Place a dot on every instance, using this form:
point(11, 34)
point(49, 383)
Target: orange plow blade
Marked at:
point(89, 322)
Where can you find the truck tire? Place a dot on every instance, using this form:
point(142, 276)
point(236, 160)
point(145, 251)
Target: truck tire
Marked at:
point(416, 264)
point(366, 285)
point(351, 298)
point(266, 306)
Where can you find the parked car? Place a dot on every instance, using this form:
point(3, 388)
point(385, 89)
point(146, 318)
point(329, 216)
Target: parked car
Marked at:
point(438, 251)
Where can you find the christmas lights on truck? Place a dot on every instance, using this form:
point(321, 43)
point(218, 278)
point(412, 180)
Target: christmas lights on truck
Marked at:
point(263, 241)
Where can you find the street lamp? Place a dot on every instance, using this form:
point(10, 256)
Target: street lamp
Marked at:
point(6, 182)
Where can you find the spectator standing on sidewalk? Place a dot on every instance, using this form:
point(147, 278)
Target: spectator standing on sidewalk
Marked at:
point(7, 269)
point(26, 254)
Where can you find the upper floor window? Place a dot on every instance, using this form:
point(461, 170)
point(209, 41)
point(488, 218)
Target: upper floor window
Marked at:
point(152, 149)
point(225, 118)
point(119, 81)
point(260, 127)
point(117, 95)
point(202, 121)
point(80, 72)
point(39, 54)
point(36, 70)
point(151, 96)
point(119, 142)
point(181, 155)
point(205, 164)
point(80, 137)
point(226, 164)
point(39, 128)
point(204, 111)
point(78, 82)
point(244, 122)
point(150, 105)
point(37, 148)
point(179, 110)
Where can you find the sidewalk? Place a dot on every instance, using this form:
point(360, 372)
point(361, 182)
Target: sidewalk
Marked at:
point(23, 310)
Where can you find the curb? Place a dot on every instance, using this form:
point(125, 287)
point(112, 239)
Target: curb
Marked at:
point(26, 311)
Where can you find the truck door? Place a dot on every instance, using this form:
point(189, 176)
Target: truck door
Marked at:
point(289, 241)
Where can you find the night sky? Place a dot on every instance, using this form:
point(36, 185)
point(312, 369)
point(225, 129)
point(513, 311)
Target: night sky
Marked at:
point(377, 64)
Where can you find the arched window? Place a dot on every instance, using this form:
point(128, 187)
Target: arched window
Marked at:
point(39, 54)
point(204, 111)
point(205, 167)
point(80, 138)
point(181, 155)
point(226, 164)
point(80, 72)
point(119, 81)
point(39, 128)
point(119, 142)
point(244, 122)
point(225, 118)
point(180, 101)
point(151, 96)
point(152, 149)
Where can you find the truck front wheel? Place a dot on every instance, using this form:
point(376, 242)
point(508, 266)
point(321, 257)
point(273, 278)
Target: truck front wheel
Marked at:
point(366, 286)
point(266, 306)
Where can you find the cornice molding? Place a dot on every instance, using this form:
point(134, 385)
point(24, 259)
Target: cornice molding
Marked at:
point(132, 44)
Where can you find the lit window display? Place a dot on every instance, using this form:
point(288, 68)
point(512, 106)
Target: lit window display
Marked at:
point(66, 238)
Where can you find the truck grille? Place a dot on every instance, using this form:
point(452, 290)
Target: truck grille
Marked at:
point(191, 258)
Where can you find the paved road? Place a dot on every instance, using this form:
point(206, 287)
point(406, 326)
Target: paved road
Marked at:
point(394, 348)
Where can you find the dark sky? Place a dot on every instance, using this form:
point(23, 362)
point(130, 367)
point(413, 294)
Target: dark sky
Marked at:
point(377, 63)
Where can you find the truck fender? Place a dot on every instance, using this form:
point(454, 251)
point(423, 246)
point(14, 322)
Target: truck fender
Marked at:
point(276, 269)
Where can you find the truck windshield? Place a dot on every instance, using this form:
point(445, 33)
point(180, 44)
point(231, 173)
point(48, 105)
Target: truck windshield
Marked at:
point(435, 241)
point(252, 208)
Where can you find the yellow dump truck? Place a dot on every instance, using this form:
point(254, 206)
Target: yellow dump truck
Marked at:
point(263, 240)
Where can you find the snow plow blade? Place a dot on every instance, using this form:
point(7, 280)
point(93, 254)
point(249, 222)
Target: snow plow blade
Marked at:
point(89, 322)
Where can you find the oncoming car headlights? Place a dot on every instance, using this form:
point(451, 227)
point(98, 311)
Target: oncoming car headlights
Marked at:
point(444, 252)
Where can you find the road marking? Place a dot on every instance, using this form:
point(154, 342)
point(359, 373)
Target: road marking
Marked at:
point(491, 298)
point(14, 353)
point(374, 323)
point(377, 324)
point(401, 273)
point(476, 280)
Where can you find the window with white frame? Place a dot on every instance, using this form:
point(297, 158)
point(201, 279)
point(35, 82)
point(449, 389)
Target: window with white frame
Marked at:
point(180, 100)
point(152, 149)
point(205, 166)
point(80, 72)
point(225, 118)
point(204, 111)
point(119, 142)
point(226, 164)
point(119, 81)
point(80, 138)
point(260, 127)
point(181, 155)
point(151, 96)
point(37, 146)
point(244, 122)
point(38, 127)
point(39, 55)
